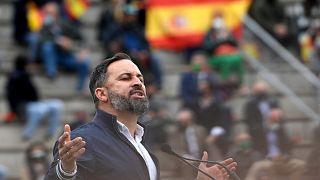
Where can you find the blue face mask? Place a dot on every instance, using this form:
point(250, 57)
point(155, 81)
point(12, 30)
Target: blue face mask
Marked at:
point(48, 20)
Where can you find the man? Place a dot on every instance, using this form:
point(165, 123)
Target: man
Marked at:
point(188, 139)
point(244, 153)
point(24, 101)
point(57, 45)
point(255, 114)
point(112, 145)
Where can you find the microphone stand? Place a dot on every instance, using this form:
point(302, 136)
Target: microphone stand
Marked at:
point(192, 165)
point(167, 149)
point(232, 174)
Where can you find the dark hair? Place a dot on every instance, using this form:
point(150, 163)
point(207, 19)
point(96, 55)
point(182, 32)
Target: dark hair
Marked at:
point(21, 62)
point(99, 75)
point(40, 156)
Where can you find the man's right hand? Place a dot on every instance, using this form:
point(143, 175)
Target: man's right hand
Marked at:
point(70, 150)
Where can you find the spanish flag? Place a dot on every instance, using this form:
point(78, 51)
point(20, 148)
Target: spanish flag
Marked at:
point(76, 8)
point(34, 17)
point(178, 24)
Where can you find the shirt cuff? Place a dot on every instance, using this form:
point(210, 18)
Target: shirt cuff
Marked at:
point(65, 175)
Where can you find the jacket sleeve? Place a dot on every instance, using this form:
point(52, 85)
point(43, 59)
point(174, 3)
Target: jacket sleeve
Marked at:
point(85, 164)
point(52, 173)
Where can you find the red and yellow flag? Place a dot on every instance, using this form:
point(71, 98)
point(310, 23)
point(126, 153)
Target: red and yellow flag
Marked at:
point(34, 17)
point(76, 8)
point(177, 24)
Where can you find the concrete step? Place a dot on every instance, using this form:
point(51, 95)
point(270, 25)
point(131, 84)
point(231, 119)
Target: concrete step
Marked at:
point(6, 13)
point(70, 106)
point(7, 59)
point(291, 111)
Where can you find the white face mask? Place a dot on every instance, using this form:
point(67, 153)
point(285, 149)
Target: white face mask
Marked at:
point(274, 126)
point(218, 23)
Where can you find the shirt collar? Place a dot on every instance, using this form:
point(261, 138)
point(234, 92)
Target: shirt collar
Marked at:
point(123, 129)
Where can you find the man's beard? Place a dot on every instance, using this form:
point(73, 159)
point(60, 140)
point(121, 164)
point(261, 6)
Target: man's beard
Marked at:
point(121, 103)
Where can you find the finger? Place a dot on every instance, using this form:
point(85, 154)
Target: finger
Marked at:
point(77, 154)
point(68, 145)
point(74, 152)
point(62, 139)
point(68, 130)
point(76, 148)
point(227, 161)
point(204, 158)
point(232, 166)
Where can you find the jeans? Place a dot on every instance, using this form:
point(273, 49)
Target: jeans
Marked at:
point(156, 69)
point(38, 111)
point(3, 172)
point(53, 56)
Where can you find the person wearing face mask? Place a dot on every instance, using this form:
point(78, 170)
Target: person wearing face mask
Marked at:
point(278, 163)
point(37, 162)
point(188, 139)
point(222, 48)
point(197, 68)
point(244, 153)
point(255, 113)
point(57, 45)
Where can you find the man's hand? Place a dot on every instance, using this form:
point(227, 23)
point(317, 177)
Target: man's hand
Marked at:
point(216, 171)
point(70, 150)
point(65, 42)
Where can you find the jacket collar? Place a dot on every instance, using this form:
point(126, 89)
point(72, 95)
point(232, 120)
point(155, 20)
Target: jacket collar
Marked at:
point(109, 121)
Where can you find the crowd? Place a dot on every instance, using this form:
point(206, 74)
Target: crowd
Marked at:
point(213, 74)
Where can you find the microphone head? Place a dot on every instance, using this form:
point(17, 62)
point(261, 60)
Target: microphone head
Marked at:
point(166, 148)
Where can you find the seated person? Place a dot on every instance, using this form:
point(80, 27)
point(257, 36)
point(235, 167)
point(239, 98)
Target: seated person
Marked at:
point(23, 99)
point(56, 46)
point(223, 51)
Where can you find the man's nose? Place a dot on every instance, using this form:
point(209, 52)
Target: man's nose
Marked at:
point(137, 82)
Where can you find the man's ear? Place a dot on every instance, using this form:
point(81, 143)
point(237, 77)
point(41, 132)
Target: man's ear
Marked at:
point(101, 94)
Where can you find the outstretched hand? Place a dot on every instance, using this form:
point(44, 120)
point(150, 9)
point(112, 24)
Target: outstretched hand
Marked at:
point(70, 150)
point(216, 171)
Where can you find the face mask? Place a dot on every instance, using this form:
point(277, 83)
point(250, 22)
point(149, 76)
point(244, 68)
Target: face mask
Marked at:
point(274, 126)
point(196, 68)
point(48, 20)
point(262, 95)
point(217, 23)
point(245, 144)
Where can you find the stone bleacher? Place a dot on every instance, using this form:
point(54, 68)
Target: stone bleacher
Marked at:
point(11, 146)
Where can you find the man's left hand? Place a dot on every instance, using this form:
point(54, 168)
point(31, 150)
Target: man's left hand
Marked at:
point(216, 171)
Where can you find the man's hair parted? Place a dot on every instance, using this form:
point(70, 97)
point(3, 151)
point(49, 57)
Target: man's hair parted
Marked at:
point(99, 75)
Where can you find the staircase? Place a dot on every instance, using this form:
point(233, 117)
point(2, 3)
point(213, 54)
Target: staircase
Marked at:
point(12, 148)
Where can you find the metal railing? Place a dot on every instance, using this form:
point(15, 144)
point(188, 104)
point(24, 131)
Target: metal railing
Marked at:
point(290, 59)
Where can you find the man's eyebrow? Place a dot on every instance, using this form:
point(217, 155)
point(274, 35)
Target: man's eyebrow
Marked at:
point(129, 74)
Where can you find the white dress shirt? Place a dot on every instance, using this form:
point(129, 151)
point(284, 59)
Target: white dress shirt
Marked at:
point(136, 142)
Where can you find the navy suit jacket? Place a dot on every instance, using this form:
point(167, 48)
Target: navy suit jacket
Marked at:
point(108, 155)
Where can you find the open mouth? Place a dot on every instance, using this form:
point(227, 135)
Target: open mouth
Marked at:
point(137, 93)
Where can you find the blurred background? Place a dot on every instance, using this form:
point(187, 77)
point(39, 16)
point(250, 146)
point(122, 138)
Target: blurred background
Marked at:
point(237, 78)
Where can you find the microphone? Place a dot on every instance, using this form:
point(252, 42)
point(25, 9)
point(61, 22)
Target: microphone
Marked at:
point(167, 149)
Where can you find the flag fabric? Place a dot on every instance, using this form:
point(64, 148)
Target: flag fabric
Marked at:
point(178, 24)
point(34, 17)
point(76, 8)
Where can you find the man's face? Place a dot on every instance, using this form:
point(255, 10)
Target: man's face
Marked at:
point(126, 90)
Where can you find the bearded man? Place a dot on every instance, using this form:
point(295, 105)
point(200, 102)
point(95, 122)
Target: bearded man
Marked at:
point(112, 145)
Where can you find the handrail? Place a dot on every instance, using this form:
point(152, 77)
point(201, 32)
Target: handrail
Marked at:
point(280, 50)
point(277, 84)
point(257, 30)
